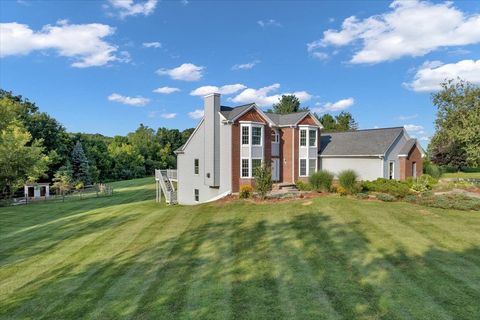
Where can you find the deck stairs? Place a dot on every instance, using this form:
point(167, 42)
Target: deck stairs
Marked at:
point(164, 179)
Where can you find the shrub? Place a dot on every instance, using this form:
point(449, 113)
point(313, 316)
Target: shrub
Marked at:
point(432, 169)
point(394, 187)
point(385, 197)
point(449, 201)
point(321, 181)
point(341, 191)
point(263, 180)
point(302, 186)
point(362, 195)
point(246, 191)
point(348, 180)
point(423, 183)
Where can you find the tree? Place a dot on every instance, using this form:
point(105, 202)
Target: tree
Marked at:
point(328, 122)
point(263, 180)
point(287, 104)
point(62, 181)
point(344, 121)
point(80, 168)
point(457, 138)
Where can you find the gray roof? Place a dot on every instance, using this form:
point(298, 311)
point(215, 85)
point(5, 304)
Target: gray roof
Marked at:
point(356, 143)
point(287, 119)
point(408, 146)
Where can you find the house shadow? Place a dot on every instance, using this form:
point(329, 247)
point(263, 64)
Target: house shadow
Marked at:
point(306, 267)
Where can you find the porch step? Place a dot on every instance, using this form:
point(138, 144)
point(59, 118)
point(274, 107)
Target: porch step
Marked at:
point(284, 187)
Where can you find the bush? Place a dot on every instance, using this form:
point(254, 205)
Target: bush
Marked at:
point(246, 191)
point(348, 180)
point(385, 197)
point(263, 180)
point(321, 181)
point(449, 201)
point(432, 169)
point(394, 187)
point(302, 186)
point(341, 191)
point(423, 183)
point(362, 195)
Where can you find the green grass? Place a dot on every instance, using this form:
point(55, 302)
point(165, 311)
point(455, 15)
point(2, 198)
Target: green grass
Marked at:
point(463, 175)
point(333, 257)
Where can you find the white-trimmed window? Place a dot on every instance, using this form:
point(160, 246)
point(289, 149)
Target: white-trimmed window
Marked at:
point(196, 166)
point(303, 137)
point(196, 194)
point(312, 137)
point(245, 135)
point(391, 170)
point(312, 166)
point(256, 135)
point(275, 136)
point(245, 168)
point(303, 167)
point(255, 164)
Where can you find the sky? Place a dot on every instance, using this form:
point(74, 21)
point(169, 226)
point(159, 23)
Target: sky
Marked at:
point(107, 66)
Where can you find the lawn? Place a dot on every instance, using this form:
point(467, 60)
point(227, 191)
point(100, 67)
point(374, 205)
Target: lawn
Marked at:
point(462, 175)
point(125, 256)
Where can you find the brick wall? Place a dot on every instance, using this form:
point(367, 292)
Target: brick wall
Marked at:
point(406, 163)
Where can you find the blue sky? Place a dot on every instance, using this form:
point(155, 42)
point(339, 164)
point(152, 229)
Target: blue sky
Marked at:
point(95, 65)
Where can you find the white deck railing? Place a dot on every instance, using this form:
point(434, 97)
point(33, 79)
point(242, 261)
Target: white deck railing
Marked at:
point(171, 174)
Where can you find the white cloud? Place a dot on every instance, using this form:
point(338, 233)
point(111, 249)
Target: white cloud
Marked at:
point(414, 128)
point(262, 98)
point(82, 42)
point(154, 44)
point(168, 115)
point(137, 101)
point(320, 55)
point(246, 66)
point(430, 75)
point(408, 117)
point(185, 72)
point(410, 28)
point(166, 90)
point(130, 8)
point(197, 114)
point(227, 89)
point(269, 23)
point(334, 106)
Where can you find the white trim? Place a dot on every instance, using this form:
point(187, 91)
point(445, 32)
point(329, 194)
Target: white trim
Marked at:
point(300, 167)
point(393, 169)
point(293, 156)
point(261, 135)
point(352, 156)
point(253, 105)
point(307, 166)
point(319, 124)
point(277, 136)
point(300, 137)
point(250, 166)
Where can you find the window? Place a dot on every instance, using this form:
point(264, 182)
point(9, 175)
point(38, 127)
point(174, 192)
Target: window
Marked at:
point(197, 195)
point(256, 136)
point(312, 166)
point(312, 138)
point(245, 171)
point(245, 135)
point(275, 136)
point(303, 167)
point(255, 164)
point(391, 170)
point(303, 137)
point(196, 166)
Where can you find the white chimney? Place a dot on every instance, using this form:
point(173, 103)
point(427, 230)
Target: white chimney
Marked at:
point(212, 139)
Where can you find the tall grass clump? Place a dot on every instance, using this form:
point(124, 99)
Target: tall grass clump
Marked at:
point(348, 180)
point(321, 181)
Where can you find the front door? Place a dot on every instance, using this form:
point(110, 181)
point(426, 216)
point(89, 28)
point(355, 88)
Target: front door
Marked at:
point(275, 169)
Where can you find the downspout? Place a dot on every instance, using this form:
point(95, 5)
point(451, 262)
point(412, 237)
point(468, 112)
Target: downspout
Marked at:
point(293, 155)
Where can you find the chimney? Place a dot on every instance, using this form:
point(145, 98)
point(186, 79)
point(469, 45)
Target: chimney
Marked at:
point(212, 140)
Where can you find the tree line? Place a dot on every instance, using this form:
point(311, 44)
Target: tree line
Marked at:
point(36, 147)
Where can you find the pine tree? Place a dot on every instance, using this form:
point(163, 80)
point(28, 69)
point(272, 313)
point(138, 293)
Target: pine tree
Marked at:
point(80, 166)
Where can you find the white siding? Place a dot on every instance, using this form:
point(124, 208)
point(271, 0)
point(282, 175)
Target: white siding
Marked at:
point(366, 168)
point(392, 155)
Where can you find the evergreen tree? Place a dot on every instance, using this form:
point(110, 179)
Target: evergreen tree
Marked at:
point(81, 170)
point(287, 104)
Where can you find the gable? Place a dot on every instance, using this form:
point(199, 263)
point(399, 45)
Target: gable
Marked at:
point(308, 120)
point(252, 115)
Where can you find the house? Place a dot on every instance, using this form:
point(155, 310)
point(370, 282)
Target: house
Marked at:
point(230, 142)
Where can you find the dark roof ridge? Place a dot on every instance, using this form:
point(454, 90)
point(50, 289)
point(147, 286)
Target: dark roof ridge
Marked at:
point(371, 129)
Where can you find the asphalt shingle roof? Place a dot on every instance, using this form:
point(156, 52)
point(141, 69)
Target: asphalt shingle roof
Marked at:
point(408, 146)
point(231, 113)
point(361, 142)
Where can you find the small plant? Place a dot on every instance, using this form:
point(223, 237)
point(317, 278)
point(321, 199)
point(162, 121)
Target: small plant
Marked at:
point(348, 180)
point(385, 197)
point(263, 180)
point(246, 192)
point(321, 181)
point(423, 183)
point(302, 186)
point(362, 195)
point(394, 187)
point(341, 191)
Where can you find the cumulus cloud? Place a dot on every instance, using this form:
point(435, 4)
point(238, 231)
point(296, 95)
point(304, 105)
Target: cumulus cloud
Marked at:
point(431, 74)
point(154, 44)
point(127, 8)
point(83, 43)
point(269, 23)
point(168, 115)
point(263, 96)
point(410, 28)
point(226, 89)
point(185, 72)
point(137, 101)
point(166, 90)
point(246, 66)
point(415, 129)
point(334, 106)
point(197, 114)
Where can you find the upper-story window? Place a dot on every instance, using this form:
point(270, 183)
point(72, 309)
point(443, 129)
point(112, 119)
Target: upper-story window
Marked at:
point(257, 136)
point(275, 136)
point(245, 135)
point(303, 137)
point(312, 137)
point(196, 166)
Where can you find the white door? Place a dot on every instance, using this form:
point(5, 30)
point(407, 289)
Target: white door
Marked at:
point(275, 169)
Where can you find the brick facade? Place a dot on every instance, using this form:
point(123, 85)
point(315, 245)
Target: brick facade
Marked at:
point(406, 163)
